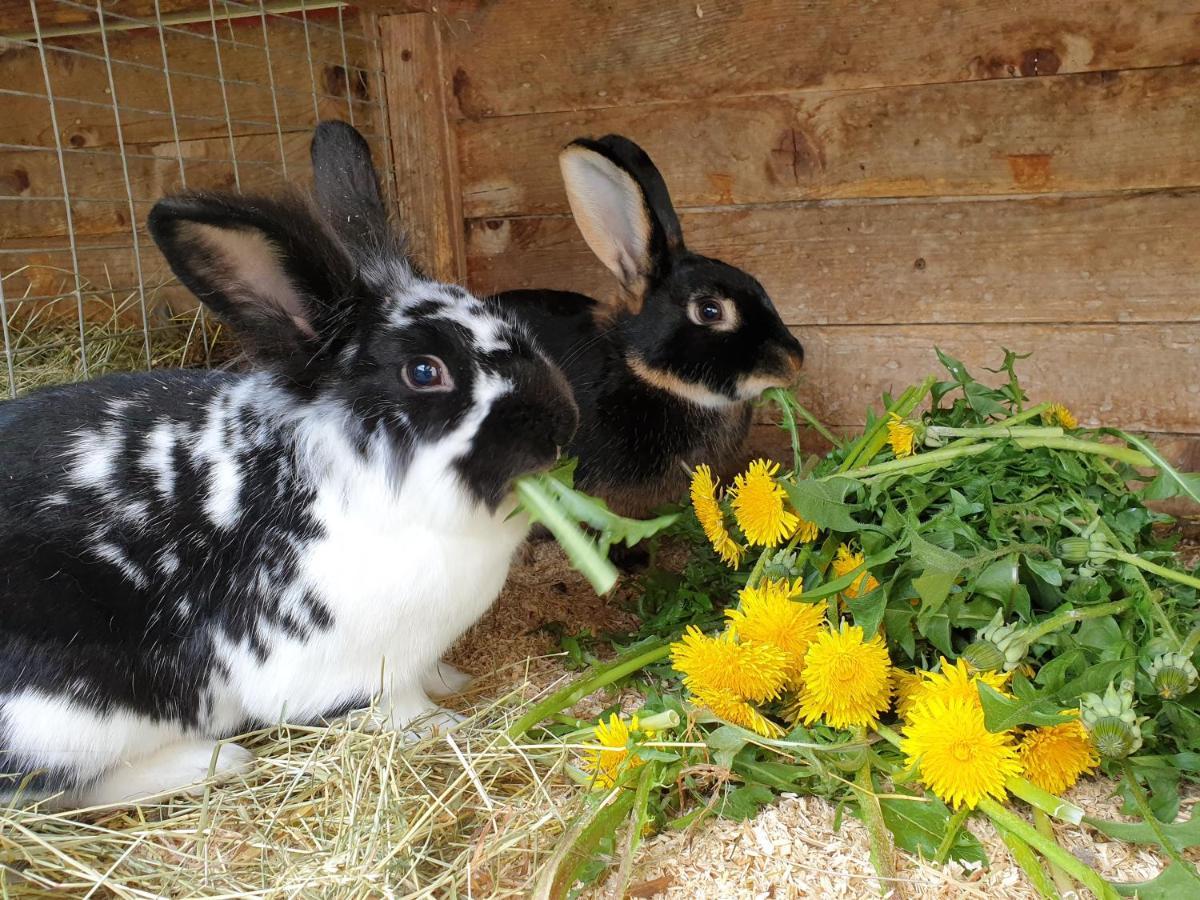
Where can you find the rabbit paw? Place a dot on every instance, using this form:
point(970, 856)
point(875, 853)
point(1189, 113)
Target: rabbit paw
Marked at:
point(180, 768)
point(444, 680)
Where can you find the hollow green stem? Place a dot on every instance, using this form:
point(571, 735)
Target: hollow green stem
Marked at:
point(1001, 431)
point(1025, 416)
point(1062, 880)
point(1155, 569)
point(1079, 445)
point(1143, 804)
point(1048, 848)
point(789, 424)
point(577, 690)
point(882, 853)
point(1043, 801)
point(1071, 616)
point(1188, 647)
point(872, 440)
point(953, 827)
point(1024, 857)
point(941, 457)
point(789, 406)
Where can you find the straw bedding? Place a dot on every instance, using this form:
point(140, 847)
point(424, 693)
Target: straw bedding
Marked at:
point(341, 813)
point(338, 812)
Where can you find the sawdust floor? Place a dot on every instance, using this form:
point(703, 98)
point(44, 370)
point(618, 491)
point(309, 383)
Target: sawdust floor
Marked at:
point(791, 848)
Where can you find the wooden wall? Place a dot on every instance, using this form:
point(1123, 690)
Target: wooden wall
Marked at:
point(142, 111)
point(971, 174)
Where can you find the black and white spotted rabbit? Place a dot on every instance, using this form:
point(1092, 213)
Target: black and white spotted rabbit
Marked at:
point(186, 554)
point(664, 370)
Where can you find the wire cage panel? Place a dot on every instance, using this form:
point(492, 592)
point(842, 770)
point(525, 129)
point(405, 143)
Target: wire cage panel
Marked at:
point(109, 106)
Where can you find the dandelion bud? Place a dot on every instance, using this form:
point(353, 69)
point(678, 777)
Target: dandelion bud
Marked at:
point(997, 646)
point(782, 567)
point(984, 656)
point(1073, 550)
point(1173, 675)
point(1115, 728)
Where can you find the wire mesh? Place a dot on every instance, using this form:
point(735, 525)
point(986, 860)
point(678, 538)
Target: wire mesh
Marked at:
point(110, 106)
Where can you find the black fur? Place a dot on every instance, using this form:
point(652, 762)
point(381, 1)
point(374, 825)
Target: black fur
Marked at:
point(635, 434)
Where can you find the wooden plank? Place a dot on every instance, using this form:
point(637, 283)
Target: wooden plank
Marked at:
point(423, 151)
point(30, 185)
point(540, 55)
point(1140, 377)
point(1093, 132)
point(1115, 258)
point(79, 79)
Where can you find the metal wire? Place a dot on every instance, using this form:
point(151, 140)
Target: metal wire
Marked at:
point(210, 98)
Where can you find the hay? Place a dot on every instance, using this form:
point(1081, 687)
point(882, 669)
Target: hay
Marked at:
point(46, 346)
point(330, 812)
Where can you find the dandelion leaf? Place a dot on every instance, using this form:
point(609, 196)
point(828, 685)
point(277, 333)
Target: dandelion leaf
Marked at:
point(918, 825)
point(1175, 881)
point(823, 503)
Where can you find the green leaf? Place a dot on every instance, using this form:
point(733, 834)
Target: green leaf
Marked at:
point(941, 570)
point(984, 400)
point(745, 802)
point(1181, 835)
point(780, 776)
point(548, 500)
point(1001, 713)
point(1173, 883)
point(577, 850)
point(868, 610)
point(919, 825)
point(1094, 680)
point(1049, 570)
point(1170, 482)
point(823, 503)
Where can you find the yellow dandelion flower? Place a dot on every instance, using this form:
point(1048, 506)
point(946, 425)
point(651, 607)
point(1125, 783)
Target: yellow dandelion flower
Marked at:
point(751, 670)
point(771, 614)
point(847, 561)
point(901, 435)
point(1054, 757)
point(712, 519)
point(1057, 414)
point(758, 506)
point(847, 680)
point(727, 705)
point(905, 685)
point(960, 760)
point(806, 532)
point(955, 680)
point(607, 762)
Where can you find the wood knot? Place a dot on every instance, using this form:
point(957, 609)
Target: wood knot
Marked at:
point(1040, 61)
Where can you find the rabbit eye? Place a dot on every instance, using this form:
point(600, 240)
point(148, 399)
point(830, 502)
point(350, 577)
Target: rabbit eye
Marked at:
point(710, 312)
point(427, 373)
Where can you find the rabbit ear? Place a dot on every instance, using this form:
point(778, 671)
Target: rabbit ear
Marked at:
point(267, 267)
point(621, 205)
point(347, 191)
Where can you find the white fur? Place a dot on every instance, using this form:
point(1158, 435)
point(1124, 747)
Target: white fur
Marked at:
point(404, 570)
point(181, 765)
point(157, 458)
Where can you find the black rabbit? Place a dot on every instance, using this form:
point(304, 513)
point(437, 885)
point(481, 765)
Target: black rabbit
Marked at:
point(665, 371)
point(186, 554)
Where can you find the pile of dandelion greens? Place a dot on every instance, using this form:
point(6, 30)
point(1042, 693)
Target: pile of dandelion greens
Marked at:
point(959, 612)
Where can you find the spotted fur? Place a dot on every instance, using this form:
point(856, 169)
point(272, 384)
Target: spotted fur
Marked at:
point(184, 555)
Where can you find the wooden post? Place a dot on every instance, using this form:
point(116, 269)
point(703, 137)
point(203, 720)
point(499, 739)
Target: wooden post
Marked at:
point(424, 156)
